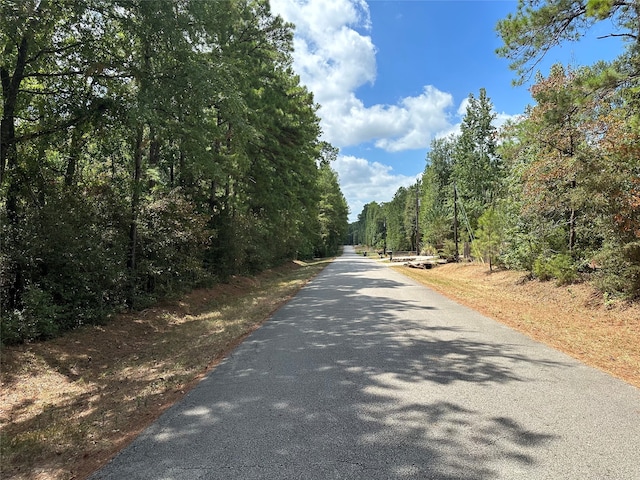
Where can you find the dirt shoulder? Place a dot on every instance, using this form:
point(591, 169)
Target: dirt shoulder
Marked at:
point(574, 319)
point(69, 404)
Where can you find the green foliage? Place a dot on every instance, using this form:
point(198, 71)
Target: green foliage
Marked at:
point(449, 248)
point(571, 186)
point(394, 213)
point(490, 235)
point(477, 168)
point(436, 210)
point(172, 239)
point(538, 26)
point(148, 149)
point(560, 267)
point(411, 216)
point(618, 269)
point(333, 210)
point(37, 319)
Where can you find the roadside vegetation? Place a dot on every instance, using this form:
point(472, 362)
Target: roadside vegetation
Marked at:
point(556, 192)
point(149, 148)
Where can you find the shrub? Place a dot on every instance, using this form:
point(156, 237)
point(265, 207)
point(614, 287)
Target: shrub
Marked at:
point(560, 266)
point(449, 248)
point(619, 270)
point(36, 320)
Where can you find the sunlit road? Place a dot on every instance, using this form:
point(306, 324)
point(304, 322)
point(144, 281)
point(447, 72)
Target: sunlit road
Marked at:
point(367, 375)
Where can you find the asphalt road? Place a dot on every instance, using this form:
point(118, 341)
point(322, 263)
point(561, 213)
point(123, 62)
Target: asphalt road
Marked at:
point(367, 375)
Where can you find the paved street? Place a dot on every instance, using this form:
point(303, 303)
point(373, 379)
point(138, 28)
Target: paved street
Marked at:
point(367, 375)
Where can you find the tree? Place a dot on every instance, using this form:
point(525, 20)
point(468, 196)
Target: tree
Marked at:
point(374, 225)
point(558, 182)
point(489, 235)
point(411, 217)
point(570, 160)
point(616, 190)
point(51, 94)
point(477, 169)
point(538, 26)
point(437, 193)
point(147, 148)
point(332, 208)
point(396, 235)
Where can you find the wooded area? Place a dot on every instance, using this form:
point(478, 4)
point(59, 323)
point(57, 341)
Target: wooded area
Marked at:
point(149, 147)
point(556, 193)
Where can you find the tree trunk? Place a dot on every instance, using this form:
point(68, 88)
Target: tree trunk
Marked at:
point(455, 222)
point(10, 88)
point(135, 205)
point(572, 230)
point(572, 223)
point(9, 163)
point(74, 153)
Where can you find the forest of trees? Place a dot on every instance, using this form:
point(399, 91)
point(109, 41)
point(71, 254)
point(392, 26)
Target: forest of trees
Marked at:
point(557, 192)
point(147, 148)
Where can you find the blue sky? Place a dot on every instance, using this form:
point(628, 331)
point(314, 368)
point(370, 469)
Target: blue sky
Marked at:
point(391, 75)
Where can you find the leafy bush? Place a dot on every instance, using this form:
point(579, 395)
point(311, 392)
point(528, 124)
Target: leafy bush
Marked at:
point(171, 239)
point(36, 320)
point(449, 248)
point(618, 270)
point(67, 256)
point(560, 266)
point(428, 249)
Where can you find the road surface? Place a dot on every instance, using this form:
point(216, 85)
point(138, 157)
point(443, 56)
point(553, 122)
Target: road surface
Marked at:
point(367, 375)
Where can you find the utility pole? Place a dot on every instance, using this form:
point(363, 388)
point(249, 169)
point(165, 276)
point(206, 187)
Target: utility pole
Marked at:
point(455, 220)
point(384, 251)
point(418, 218)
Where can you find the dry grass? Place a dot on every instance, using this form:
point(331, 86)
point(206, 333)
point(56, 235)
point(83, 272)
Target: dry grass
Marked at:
point(68, 405)
point(574, 319)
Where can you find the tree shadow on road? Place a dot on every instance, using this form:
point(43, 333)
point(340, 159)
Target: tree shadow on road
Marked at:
point(322, 392)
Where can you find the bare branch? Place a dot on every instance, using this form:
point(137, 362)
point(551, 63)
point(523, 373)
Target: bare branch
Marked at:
point(629, 35)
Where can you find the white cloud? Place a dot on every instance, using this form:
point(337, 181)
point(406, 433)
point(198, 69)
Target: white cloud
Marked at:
point(420, 119)
point(462, 108)
point(334, 56)
point(334, 59)
point(330, 56)
point(361, 181)
point(502, 118)
point(499, 120)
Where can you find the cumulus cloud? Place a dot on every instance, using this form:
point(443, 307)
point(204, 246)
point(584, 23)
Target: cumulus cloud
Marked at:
point(362, 180)
point(419, 119)
point(502, 118)
point(331, 56)
point(334, 57)
point(462, 108)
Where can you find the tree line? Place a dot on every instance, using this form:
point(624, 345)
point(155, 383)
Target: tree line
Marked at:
point(556, 192)
point(147, 148)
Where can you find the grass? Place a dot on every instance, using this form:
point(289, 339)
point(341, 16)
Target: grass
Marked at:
point(69, 404)
point(575, 319)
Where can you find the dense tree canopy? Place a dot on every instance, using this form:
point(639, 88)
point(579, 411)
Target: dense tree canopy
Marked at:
point(147, 148)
